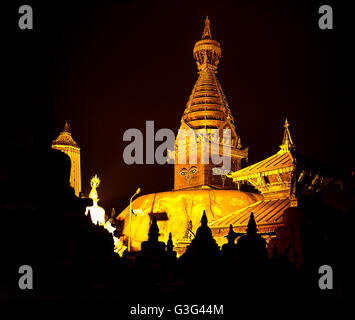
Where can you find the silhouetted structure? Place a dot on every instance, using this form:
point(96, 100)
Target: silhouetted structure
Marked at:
point(171, 254)
point(203, 246)
point(153, 247)
point(251, 248)
point(200, 261)
point(229, 250)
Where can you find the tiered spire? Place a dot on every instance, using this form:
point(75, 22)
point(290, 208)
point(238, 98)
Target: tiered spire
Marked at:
point(207, 113)
point(65, 138)
point(66, 127)
point(207, 106)
point(287, 143)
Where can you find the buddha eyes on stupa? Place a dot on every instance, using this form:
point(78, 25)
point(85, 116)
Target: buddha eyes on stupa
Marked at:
point(193, 170)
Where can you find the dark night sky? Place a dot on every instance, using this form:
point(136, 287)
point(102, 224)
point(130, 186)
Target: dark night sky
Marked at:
point(110, 66)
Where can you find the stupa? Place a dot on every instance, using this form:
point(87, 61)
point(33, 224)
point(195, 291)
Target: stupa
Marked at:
point(196, 187)
point(278, 181)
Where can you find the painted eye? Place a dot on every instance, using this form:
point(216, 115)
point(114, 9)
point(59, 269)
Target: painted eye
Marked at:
point(183, 172)
point(193, 170)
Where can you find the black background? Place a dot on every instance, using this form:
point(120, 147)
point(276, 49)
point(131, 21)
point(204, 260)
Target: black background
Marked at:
point(107, 66)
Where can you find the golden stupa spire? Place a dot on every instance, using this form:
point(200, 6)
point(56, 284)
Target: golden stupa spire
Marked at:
point(66, 127)
point(287, 143)
point(207, 52)
point(207, 106)
point(207, 110)
point(206, 34)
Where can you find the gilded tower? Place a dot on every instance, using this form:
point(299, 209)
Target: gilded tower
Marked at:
point(207, 116)
point(66, 144)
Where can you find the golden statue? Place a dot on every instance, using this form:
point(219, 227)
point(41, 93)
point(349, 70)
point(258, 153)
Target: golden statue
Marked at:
point(96, 212)
point(94, 182)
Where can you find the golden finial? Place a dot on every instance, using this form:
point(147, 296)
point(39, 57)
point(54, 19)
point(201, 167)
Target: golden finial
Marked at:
point(287, 143)
point(207, 52)
point(66, 127)
point(206, 34)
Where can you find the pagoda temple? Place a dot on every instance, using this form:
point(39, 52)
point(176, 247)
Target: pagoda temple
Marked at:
point(278, 180)
point(66, 144)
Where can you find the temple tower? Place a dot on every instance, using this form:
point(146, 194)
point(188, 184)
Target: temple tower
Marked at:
point(287, 143)
point(66, 144)
point(206, 116)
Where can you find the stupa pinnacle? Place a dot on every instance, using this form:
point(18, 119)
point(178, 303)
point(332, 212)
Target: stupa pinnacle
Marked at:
point(206, 109)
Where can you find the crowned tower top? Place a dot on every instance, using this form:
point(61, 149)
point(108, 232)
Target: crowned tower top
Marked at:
point(287, 143)
point(207, 52)
point(207, 106)
point(65, 138)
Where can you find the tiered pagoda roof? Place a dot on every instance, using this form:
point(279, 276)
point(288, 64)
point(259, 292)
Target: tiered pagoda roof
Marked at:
point(281, 162)
point(65, 138)
point(267, 213)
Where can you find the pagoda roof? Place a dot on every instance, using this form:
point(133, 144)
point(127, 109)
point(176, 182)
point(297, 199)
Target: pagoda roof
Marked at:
point(65, 138)
point(279, 162)
point(266, 212)
point(282, 161)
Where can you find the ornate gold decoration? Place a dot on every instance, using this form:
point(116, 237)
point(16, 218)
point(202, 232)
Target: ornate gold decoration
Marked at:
point(66, 144)
point(65, 138)
point(207, 109)
point(188, 173)
point(287, 143)
point(272, 176)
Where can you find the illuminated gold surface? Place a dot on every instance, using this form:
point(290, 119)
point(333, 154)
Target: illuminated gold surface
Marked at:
point(273, 175)
point(195, 187)
point(174, 210)
point(66, 144)
point(94, 182)
point(207, 108)
point(267, 214)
